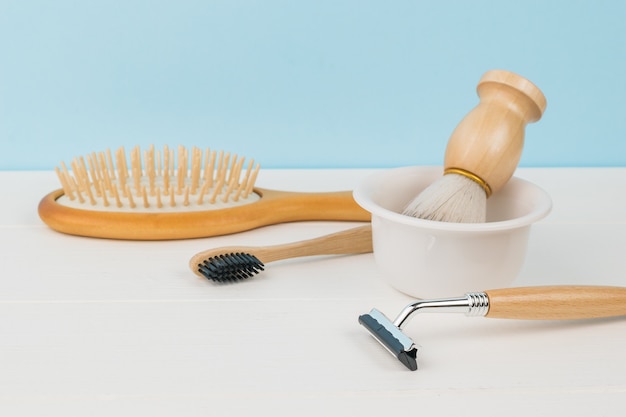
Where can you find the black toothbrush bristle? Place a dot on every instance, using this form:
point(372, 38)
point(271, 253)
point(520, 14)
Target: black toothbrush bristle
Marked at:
point(230, 267)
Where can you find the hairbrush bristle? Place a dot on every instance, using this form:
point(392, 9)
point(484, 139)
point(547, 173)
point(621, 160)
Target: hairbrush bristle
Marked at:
point(230, 267)
point(157, 179)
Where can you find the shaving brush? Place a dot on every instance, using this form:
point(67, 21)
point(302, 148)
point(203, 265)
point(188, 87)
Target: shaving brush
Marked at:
point(483, 150)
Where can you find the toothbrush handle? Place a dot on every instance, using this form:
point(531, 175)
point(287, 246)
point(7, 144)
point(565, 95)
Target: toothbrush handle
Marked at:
point(557, 302)
point(347, 242)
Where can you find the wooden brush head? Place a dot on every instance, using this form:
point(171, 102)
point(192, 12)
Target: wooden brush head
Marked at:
point(488, 141)
point(161, 180)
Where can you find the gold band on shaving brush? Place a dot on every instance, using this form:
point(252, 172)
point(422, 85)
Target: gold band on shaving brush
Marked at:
point(483, 184)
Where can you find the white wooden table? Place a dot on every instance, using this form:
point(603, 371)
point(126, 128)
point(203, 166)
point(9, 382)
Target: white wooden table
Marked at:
point(92, 327)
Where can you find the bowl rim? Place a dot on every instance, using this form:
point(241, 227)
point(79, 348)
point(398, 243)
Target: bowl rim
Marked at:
point(362, 195)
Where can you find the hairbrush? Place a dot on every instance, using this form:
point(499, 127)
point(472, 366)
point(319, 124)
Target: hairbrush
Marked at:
point(159, 195)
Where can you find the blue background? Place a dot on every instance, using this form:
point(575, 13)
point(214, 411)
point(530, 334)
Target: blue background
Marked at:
point(304, 83)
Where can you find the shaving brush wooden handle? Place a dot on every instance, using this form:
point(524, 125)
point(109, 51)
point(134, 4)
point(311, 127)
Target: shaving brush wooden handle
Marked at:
point(487, 144)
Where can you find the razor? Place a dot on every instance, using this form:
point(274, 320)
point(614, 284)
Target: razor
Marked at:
point(524, 303)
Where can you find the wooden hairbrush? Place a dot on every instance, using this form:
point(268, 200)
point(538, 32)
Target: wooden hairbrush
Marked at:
point(165, 195)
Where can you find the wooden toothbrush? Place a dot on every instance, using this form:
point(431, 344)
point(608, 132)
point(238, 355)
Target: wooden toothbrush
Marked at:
point(235, 263)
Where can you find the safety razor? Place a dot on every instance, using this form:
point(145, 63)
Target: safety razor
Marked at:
point(524, 303)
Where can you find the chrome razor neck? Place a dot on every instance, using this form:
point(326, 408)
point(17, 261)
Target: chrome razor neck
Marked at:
point(475, 304)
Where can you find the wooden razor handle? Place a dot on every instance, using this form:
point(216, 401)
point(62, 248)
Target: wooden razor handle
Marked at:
point(557, 302)
point(488, 141)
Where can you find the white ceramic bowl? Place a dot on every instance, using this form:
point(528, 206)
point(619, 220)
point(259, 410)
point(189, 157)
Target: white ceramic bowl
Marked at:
point(430, 259)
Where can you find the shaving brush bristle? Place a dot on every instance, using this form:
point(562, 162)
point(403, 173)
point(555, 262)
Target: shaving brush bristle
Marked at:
point(452, 198)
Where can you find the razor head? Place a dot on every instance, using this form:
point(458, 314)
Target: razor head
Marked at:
point(391, 337)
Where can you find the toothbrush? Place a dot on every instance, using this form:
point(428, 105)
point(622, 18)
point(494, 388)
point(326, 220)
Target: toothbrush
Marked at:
point(236, 263)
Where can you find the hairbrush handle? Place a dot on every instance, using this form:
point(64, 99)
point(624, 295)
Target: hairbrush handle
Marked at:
point(488, 142)
point(273, 207)
point(557, 302)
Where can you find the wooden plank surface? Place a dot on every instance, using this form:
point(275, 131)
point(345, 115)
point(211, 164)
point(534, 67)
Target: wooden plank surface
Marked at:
point(102, 327)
